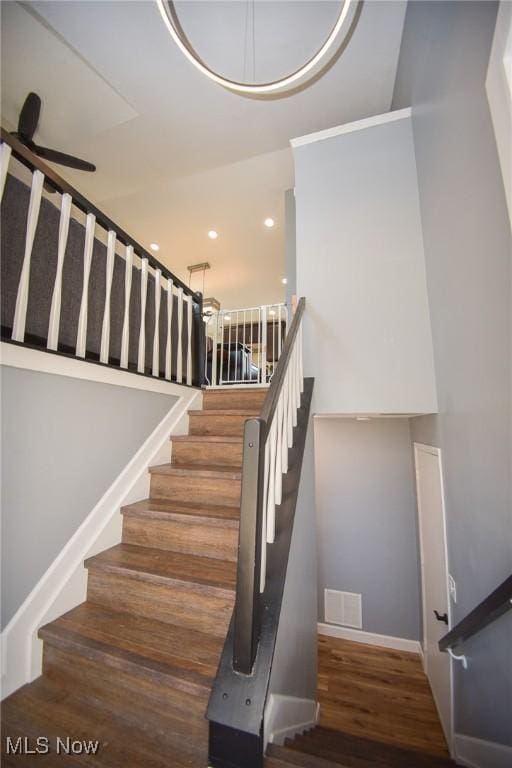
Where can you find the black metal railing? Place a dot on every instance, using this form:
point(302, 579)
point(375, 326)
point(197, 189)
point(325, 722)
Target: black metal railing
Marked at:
point(490, 609)
point(266, 443)
point(177, 325)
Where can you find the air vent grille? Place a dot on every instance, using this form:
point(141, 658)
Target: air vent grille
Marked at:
point(343, 608)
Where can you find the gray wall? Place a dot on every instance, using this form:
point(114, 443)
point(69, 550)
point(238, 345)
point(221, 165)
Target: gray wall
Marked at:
point(294, 668)
point(290, 244)
point(367, 525)
point(466, 235)
point(64, 441)
point(360, 265)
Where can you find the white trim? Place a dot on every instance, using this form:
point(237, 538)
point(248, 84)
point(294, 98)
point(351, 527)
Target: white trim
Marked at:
point(46, 362)
point(477, 753)
point(357, 125)
point(370, 638)
point(64, 584)
point(498, 86)
point(287, 716)
point(434, 451)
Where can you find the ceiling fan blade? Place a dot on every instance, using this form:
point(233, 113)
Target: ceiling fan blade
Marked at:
point(60, 157)
point(29, 117)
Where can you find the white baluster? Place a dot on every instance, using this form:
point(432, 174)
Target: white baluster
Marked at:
point(5, 156)
point(213, 377)
point(284, 441)
point(109, 272)
point(301, 359)
point(141, 359)
point(271, 506)
point(266, 472)
point(290, 406)
point(156, 336)
point(189, 340)
point(297, 375)
point(179, 362)
point(54, 323)
point(264, 345)
point(81, 336)
point(125, 339)
point(279, 451)
point(168, 345)
point(20, 312)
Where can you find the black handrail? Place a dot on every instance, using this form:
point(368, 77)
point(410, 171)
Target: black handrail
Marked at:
point(490, 609)
point(31, 161)
point(247, 614)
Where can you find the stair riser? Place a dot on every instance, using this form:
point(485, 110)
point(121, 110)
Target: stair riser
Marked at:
point(77, 672)
point(200, 490)
point(189, 538)
point(224, 454)
point(180, 603)
point(221, 425)
point(232, 398)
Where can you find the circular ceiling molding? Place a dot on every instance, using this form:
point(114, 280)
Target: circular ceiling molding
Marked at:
point(171, 20)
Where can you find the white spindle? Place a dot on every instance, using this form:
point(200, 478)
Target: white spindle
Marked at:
point(81, 336)
point(109, 272)
point(271, 504)
point(179, 361)
point(291, 405)
point(189, 340)
point(301, 359)
point(213, 377)
point(141, 358)
point(279, 450)
point(20, 312)
point(285, 437)
point(125, 339)
point(168, 345)
point(5, 156)
point(54, 323)
point(266, 472)
point(156, 336)
point(264, 345)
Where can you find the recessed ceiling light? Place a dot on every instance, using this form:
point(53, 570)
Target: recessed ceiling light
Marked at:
point(272, 312)
point(284, 280)
point(227, 318)
point(212, 234)
point(154, 246)
point(269, 223)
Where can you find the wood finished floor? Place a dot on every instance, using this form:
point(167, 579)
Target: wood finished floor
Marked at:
point(379, 694)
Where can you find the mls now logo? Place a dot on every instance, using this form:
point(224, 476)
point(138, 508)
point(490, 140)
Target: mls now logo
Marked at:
point(41, 746)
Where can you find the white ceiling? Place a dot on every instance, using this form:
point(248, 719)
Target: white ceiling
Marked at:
point(176, 154)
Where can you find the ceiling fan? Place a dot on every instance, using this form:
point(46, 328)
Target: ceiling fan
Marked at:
point(27, 125)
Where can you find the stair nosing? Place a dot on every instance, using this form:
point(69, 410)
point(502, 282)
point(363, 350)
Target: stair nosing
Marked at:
point(249, 412)
point(207, 439)
point(69, 640)
point(187, 518)
point(144, 574)
point(213, 471)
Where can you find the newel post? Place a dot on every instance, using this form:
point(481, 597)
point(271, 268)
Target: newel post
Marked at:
point(200, 340)
point(247, 603)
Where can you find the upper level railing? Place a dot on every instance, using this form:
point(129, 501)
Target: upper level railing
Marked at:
point(172, 348)
point(243, 346)
point(265, 460)
point(490, 609)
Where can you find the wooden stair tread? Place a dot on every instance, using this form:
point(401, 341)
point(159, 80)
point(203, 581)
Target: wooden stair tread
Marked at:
point(359, 752)
point(206, 438)
point(159, 565)
point(161, 509)
point(45, 708)
point(185, 658)
point(220, 471)
point(248, 412)
point(279, 757)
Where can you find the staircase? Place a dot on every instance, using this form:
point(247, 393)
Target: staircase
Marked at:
point(327, 748)
point(132, 667)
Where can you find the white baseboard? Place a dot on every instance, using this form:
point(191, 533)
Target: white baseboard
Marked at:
point(286, 716)
point(477, 753)
point(370, 638)
point(64, 584)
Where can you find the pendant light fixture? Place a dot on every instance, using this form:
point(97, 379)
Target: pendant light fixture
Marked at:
point(170, 18)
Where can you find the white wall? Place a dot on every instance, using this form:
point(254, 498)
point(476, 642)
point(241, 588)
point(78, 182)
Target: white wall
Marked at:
point(360, 266)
